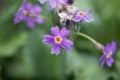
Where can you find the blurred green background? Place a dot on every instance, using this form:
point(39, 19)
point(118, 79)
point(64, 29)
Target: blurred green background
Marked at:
point(23, 56)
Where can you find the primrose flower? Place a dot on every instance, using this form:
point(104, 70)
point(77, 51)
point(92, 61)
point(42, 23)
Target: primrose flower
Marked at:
point(58, 39)
point(29, 13)
point(82, 16)
point(54, 3)
point(108, 51)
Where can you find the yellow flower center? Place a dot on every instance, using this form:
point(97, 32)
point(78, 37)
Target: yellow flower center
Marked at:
point(30, 14)
point(80, 13)
point(24, 12)
point(58, 39)
point(109, 55)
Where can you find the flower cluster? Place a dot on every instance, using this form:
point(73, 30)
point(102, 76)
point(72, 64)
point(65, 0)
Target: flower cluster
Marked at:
point(71, 13)
point(68, 14)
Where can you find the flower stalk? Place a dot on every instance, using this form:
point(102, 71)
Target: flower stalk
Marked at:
point(87, 37)
point(97, 44)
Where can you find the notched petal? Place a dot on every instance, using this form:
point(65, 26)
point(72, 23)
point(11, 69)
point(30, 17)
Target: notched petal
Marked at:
point(67, 44)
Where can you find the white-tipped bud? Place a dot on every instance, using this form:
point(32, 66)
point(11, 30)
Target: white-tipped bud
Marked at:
point(99, 46)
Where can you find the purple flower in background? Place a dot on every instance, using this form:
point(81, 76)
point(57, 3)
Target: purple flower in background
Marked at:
point(82, 15)
point(108, 51)
point(58, 39)
point(54, 3)
point(29, 13)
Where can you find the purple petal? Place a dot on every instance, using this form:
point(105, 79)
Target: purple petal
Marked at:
point(43, 1)
point(55, 31)
point(48, 39)
point(16, 20)
point(18, 16)
point(63, 1)
point(55, 49)
point(37, 9)
point(88, 18)
point(102, 60)
point(107, 49)
point(110, 48)
point(113, 46)
point(30, 24)
point(109, 61)
point(103, 57)
point(53, 4)
point(87, 12)
point(67, 44)
point(76, 18)
point(28, 7)
point(64, 33)
point(102, 63)
point(39, 20)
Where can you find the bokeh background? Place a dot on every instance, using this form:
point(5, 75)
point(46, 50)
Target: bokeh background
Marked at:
point(23, 56)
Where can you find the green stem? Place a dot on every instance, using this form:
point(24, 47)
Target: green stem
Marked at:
point(87, 37)
point(52, 17)
point(79, 27)
point(97, 44)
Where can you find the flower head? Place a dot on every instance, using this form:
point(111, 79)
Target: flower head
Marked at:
point(54, 3)
point(29, 13)
point(58, 39)
point(66, 12)
point(82, 15)
point(108, 51)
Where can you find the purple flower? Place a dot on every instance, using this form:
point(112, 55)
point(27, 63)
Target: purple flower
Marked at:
point(58, 39)
point(54, 3)
point(29, 13)
point(108, 51)
point(82, 15)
